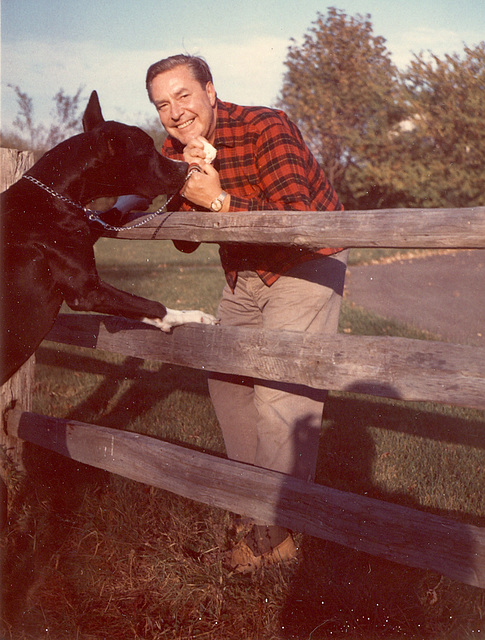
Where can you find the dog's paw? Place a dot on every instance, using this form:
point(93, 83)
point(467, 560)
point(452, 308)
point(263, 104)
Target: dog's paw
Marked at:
point(176, 318)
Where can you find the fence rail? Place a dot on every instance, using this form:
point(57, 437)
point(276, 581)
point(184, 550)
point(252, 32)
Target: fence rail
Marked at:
point(386, 530)
point(413, 228)
point(382, 366)
point(389, 367)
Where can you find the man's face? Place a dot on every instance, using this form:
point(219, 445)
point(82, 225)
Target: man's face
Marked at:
point(186, 109)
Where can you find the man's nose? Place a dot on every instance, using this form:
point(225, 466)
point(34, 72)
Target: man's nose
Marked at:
point(176, 111)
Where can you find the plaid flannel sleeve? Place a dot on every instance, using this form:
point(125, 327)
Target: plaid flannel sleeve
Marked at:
point(288, 175)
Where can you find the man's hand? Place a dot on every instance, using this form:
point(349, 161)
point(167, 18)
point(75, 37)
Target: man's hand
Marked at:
point(198, 151)
point(204, 186)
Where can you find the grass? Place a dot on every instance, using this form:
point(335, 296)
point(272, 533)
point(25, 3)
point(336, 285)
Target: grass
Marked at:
point(92, 556)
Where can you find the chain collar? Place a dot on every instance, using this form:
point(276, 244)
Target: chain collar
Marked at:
point(94, 216)
point(55, 194)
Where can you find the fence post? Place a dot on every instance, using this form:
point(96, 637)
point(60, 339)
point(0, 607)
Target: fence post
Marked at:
point(18, 390)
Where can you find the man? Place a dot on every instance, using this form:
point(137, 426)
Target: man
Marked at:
point(262, 163)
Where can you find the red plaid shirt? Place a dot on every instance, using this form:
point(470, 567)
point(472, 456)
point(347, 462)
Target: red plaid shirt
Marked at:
point(264, 164)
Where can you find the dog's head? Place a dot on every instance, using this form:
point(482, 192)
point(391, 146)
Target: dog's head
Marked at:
point(127, 157)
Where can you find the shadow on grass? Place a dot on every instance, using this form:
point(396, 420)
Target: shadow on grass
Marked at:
point(337, 591)
point(334, 591)
point(40, 520)
point(416, 419)
point(127, 391)
point(50, 496)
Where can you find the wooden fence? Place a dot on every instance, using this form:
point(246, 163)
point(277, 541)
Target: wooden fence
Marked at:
point(383, 366)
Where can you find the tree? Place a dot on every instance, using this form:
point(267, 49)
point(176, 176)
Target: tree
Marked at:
point(435, 156)
point(442, 156)
point(342, 90)
point(385, 138)
point(67, 121)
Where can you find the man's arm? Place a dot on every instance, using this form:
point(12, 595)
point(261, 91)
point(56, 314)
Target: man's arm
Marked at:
point(288, 174)
point(284, 171)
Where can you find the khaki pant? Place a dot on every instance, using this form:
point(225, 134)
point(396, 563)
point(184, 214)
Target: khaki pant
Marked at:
point(269, 424)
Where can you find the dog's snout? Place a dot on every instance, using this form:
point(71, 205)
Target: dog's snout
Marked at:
point(182, 170)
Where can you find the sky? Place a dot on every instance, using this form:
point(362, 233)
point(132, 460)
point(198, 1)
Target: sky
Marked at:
point(48, 45)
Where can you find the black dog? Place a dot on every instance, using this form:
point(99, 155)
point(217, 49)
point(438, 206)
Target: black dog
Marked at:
point(48, 240)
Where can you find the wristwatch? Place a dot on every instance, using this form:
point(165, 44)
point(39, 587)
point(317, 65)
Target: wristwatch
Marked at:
point(216, 205)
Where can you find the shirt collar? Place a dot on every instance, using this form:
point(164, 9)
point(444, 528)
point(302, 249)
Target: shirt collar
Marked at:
point(225, 126)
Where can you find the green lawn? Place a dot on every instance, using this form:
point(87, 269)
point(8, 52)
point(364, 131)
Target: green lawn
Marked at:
point(91, 556)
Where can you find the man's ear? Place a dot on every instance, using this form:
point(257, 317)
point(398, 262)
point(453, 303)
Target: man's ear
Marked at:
point(211, 92)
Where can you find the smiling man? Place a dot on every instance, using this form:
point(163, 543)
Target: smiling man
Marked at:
point(186, 107)
point(262, 163)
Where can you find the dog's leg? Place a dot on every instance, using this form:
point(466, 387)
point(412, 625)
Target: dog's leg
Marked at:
point(104, 298)
point(89, 293)
point(76, 276)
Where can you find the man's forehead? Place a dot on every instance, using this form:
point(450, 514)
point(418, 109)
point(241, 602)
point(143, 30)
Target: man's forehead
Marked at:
point(175, 80)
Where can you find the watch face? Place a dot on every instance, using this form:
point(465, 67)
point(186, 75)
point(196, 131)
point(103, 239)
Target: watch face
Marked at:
point(216, 205)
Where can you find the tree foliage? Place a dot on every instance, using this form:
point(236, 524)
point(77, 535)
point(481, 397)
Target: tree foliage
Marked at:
point(66, 122)
point(446, 103)
point(65, 115)
point(155, 130)
point(339, 88)
point(388, 138)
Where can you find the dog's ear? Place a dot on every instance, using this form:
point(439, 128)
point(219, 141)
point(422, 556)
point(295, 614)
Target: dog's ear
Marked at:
point(93, 115)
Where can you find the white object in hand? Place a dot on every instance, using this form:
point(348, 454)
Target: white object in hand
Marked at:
point(210, 152)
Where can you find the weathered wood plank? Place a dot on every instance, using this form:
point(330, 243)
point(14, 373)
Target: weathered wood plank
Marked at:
point(382, 366)
point(450, 228)
point(16, 392)
point(18, 389)
point(389, 531)
point(14, 164)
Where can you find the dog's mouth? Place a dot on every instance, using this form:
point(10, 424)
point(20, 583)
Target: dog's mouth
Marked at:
point(179, 176)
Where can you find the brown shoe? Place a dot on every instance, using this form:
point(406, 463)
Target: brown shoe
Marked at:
point(242, 559)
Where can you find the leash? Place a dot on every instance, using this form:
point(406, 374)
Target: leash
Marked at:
point(95, 216)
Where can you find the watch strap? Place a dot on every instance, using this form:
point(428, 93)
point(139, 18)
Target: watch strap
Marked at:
point(216, 205)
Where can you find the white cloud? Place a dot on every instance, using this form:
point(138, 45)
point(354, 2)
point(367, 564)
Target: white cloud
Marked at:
point(245, 72)
point(41, 69)
point(425, 39)
point(249, 73)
